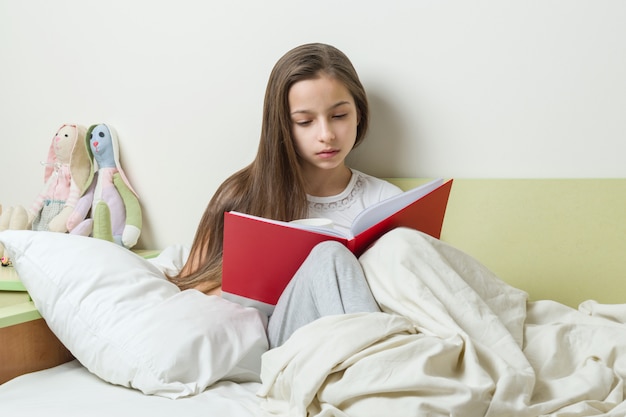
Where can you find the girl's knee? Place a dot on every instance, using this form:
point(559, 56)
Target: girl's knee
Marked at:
point(330, 248)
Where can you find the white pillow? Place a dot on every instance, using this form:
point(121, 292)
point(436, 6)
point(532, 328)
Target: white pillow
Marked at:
point(126, 323)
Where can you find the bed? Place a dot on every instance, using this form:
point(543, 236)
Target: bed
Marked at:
point(543, 334)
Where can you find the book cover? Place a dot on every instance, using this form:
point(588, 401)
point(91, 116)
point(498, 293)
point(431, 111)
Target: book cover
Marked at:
point(262, 255)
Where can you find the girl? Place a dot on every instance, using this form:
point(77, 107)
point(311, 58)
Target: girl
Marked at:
point(315, 112)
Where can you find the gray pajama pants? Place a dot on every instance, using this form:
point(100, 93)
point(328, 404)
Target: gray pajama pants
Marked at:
point(330, 281)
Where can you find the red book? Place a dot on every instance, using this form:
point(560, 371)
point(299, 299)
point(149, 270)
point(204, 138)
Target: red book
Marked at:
point(261, 255)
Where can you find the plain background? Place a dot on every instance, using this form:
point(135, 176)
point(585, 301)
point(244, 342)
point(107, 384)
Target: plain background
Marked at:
point(465, 89)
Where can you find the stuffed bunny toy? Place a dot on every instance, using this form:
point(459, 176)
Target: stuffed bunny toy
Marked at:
point(13, 218)
point(109, 209)
point(66, 168)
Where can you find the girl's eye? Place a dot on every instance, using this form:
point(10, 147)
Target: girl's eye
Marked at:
point(340, 116)
point(303, 122)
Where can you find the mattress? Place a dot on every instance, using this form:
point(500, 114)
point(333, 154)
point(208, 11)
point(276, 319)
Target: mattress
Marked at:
point(71, 390)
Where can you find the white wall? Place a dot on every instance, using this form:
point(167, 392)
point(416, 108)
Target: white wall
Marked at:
point(458, 88)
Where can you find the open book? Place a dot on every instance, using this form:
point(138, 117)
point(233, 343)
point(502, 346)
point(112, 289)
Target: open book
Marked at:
point(262, 255)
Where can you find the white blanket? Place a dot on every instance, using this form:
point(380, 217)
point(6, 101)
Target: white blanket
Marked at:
point(453, 340)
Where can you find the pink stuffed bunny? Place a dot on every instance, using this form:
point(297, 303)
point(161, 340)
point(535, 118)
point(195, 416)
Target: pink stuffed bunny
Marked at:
point(61, 191)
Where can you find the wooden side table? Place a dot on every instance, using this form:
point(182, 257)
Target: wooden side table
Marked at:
point(26, 342)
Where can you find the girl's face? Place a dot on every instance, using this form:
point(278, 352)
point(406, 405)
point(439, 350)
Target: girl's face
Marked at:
point(323, 122)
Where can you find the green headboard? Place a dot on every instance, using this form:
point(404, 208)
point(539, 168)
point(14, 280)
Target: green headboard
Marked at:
point(558, 239)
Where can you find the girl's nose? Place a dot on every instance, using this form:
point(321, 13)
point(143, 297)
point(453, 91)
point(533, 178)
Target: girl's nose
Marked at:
point(326, 133)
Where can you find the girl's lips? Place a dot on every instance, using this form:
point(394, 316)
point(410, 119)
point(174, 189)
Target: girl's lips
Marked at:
point(328, 153)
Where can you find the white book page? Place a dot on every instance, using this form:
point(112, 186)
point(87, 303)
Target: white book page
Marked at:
point(323, 230)
point(383, 209)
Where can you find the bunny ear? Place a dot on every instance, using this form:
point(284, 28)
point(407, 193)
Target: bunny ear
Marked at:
point(81, 164)
point(116, 155)
point(51, 159)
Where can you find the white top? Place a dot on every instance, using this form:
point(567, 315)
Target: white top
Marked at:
point(362, 191)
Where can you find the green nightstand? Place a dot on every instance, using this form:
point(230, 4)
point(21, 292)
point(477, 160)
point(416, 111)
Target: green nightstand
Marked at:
point(26, 342)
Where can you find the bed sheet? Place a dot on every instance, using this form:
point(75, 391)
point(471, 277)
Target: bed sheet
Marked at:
point(71, 390)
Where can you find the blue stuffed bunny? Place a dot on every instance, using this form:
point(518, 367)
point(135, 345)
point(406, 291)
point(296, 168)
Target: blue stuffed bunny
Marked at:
point(109, 197)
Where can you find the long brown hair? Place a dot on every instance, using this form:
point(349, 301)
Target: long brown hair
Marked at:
point(272, 185)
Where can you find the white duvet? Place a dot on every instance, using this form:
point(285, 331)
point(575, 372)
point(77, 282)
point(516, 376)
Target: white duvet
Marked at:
point(452, 340)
